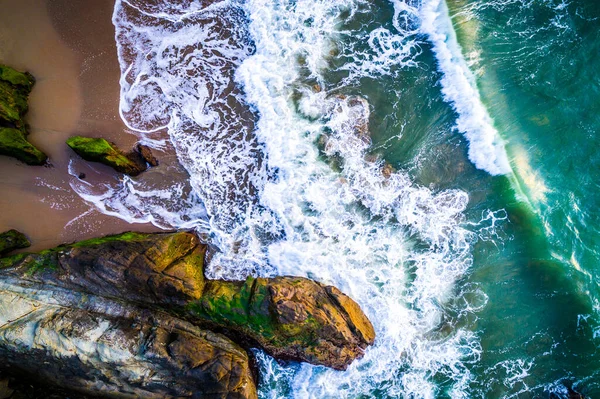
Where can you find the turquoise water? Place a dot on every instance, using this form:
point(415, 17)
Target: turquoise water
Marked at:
point(537, 66)
point(474, 255)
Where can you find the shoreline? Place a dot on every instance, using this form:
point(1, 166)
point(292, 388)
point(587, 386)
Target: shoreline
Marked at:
point(70, 50)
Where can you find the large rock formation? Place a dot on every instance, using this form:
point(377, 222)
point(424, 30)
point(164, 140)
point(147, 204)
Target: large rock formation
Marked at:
point(14, 92)
point(102, 347)
point(124, 283)
point(107, 153)
point(149, 269)
point(290, 317)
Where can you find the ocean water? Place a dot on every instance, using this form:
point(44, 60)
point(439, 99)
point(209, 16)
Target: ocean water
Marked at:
point(434, 159)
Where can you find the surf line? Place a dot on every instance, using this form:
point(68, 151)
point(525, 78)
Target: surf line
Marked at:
point(459, 88)
point(487, 149)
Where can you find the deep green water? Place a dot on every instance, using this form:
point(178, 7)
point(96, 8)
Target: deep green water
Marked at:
point(538, 71)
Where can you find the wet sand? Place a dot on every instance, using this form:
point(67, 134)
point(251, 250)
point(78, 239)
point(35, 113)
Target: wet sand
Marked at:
point(69, 47)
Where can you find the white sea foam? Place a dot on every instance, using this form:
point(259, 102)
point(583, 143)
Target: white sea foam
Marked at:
point(356, 229)
point(459, 87)
point(274, 203)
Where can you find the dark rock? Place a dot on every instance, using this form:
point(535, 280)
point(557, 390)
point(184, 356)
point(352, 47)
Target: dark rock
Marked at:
point(16, 385)
point(14, 92)
point(107, 348)
point(146, 154)
point(107, 153)
point(574, 394)
point(11, 240)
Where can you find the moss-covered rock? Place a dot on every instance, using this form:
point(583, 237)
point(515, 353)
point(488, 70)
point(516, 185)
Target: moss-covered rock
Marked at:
point(107, 153)
point(11, 240)
point(155, 269)
point(291, 318)
point(22, 80)
point(14, 92)
point(14, 144)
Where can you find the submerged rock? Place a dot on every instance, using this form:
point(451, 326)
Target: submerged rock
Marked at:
point(110, 279)
point(14, 92)
point(107, 153)
point(291, 318)
point(146, 153)
point(11, 240)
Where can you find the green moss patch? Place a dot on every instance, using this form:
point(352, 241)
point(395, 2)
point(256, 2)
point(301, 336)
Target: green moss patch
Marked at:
point(11, 240)
point(14, 92)
point(25, 81)
point(14, 144)
point(107, 153)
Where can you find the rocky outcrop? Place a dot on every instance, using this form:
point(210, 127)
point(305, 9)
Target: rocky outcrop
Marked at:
point(291, 318)
point(150, 269)
point(11, 240)
point(107, 153)
point(14, 92)
point(129, 279)
point(101, 347)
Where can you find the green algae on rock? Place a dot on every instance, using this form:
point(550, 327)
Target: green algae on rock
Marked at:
point(11, 240)
point(107, 153)
point(291, 318)
point(160, 268)
point(14, 144)
point(14, 92)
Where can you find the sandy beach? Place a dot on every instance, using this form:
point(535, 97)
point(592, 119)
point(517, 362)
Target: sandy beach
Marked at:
point(69, 47)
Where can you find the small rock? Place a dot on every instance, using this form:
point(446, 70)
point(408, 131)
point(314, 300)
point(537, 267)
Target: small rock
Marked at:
point(14, 93)
point(146, 153)
point(5, 391)
point(11, 240)
point(387, 170)
point(107, 153)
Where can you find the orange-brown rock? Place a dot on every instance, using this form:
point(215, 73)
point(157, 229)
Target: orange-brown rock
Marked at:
point(291, 318)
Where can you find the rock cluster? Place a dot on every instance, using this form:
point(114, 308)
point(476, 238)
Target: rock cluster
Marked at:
point(106, 316)
point(15, 88)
